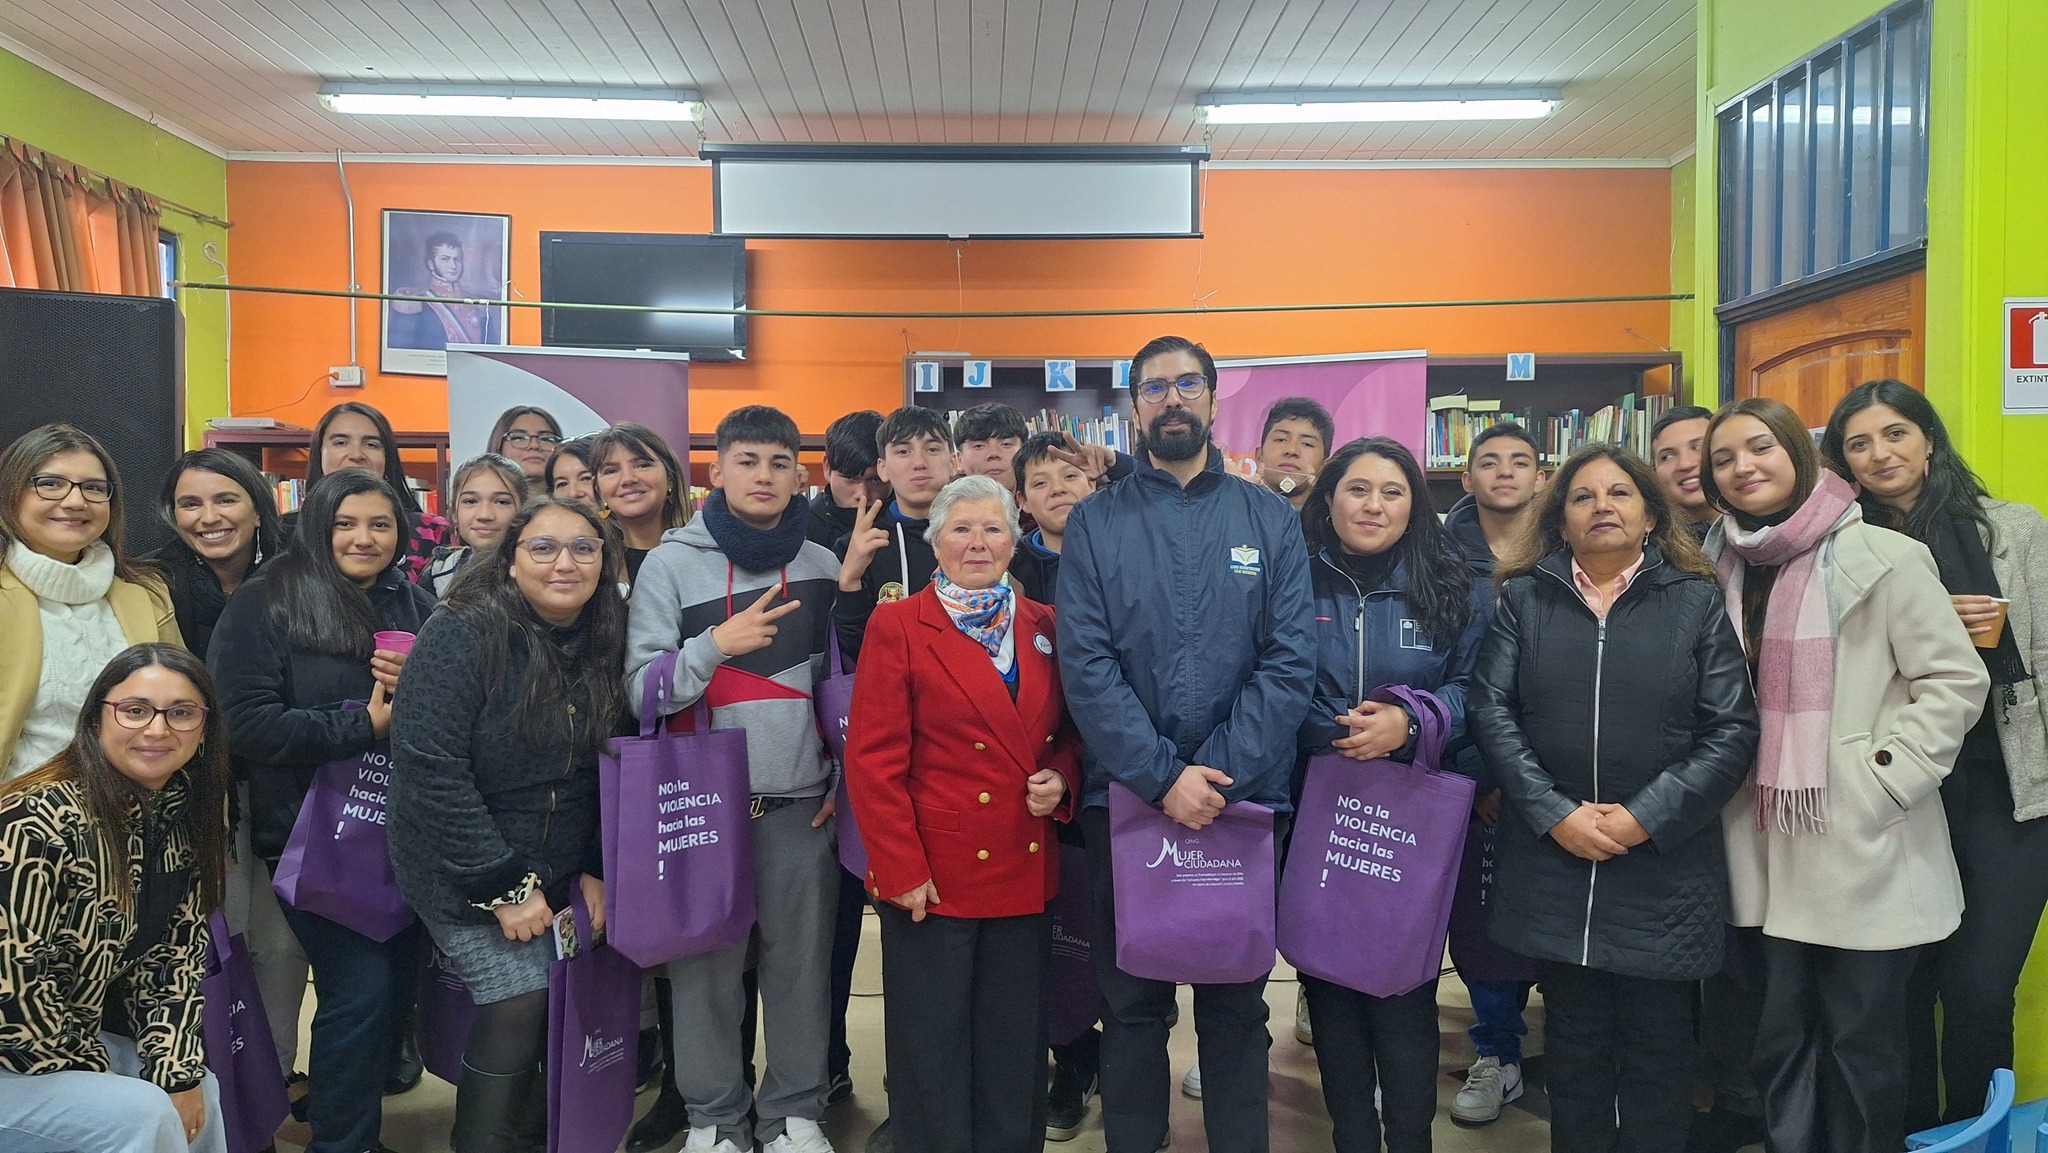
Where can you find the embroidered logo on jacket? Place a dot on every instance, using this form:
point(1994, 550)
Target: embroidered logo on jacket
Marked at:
point(1244, 560)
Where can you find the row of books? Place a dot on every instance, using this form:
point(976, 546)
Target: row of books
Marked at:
point(1456, 421)
point(1110, 429)
point(291, 493)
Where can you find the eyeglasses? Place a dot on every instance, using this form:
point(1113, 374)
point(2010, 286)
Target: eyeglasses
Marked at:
point(544, 549)
point(1190, 387)
point(136, 713)
point(51, 487)
point(522, 439)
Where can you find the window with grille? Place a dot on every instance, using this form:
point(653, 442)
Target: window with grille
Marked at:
point(1824, 167)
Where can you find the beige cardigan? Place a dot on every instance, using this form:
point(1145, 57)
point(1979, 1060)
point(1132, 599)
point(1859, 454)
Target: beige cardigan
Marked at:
point(1908, 685)
point(2019, 559)
point(144, 611)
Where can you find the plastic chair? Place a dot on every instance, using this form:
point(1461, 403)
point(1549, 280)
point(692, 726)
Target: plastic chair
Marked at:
point(2029, 1122)
point(1989, 1133)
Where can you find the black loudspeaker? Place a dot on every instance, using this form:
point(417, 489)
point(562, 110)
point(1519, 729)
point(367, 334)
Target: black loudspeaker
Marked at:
point(114, 367)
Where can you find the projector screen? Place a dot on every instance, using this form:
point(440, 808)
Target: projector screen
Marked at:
point(987, 193)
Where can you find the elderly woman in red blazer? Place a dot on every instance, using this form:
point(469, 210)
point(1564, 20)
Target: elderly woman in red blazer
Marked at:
point(959, 758)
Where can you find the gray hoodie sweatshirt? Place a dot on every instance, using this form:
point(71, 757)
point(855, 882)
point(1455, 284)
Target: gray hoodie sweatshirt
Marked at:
point(686, 588)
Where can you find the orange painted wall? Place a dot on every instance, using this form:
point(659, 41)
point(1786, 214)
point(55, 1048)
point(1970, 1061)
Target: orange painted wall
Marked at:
point(1273, 236)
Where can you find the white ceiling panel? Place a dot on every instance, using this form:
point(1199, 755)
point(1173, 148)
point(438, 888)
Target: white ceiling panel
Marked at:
point(243, 74)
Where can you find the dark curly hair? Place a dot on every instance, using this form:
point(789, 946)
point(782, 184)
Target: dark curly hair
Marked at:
point(485, 597)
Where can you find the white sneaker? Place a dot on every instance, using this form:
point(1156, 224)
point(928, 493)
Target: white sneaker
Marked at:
point(704, 1139)
point(799, 1136)
point(1488, 1086)
point(1191, 1085)
point(1303, 1031)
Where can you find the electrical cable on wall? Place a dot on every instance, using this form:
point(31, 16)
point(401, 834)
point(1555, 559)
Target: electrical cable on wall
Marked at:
point(210, 252)
point(348, 202)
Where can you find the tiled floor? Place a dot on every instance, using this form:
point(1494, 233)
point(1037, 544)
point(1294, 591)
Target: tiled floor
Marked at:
point(418, 1121)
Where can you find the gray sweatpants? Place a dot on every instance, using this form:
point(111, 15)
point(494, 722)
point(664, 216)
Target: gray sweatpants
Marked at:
point(796, 885)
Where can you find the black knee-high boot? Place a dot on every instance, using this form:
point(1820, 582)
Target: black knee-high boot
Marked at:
point(493, 1113)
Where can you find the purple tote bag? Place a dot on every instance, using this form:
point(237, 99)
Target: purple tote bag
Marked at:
point(834, 696)
point(1475, 954)
point(1074, 999)
point(445, 1013)
point(1367, 893)
point(239, 1050)
point(593, 1038)
point(678, 839)
point(1192, 907)
point(337, 863)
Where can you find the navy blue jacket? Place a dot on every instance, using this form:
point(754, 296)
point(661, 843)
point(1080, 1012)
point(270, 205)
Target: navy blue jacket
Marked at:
point(1378, 623)
point(1185, 621)
point(1038, 568)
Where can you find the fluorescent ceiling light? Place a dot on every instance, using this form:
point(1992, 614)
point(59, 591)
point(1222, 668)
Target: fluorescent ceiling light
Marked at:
point(529, 101)
point(1377, 105)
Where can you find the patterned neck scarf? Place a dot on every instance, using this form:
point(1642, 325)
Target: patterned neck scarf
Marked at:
point(983, 614)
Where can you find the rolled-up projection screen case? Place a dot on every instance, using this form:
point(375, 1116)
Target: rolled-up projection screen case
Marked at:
point(956, 191)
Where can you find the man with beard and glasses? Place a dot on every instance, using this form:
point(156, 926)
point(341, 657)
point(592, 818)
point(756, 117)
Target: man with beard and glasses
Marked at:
point(1185, 646)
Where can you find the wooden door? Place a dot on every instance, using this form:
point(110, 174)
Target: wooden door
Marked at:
point(1811, 355)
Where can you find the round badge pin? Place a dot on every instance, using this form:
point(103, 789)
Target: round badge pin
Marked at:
point(1042, 643)
point(888, 593)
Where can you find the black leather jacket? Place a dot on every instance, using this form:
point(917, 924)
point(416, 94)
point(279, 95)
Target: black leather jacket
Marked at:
point(1650, 709)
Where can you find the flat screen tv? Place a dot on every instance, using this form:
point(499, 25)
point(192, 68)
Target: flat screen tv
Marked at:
point(644, 268)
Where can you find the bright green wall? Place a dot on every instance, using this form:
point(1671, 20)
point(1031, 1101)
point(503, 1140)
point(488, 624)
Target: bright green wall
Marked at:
point(47, 112)
point(1987, 239)
point(1989, 191)
point(1684, 313)
point(1991, 172)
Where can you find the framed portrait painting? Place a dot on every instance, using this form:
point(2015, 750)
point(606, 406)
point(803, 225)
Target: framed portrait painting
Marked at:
point(459, 257)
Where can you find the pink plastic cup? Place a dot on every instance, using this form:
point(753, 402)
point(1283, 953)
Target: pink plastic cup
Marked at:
point(394, 642)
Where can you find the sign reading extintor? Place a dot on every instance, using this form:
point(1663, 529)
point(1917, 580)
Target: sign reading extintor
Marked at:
point(2026, 356)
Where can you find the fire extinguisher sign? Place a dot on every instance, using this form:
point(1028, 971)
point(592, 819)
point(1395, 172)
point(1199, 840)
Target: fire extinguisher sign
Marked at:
point(2026, 356)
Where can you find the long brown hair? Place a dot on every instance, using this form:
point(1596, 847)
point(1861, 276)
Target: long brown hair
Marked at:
point(111, 799)
point(1543, 532)
point(1786, 428)
point(31, 451)
point(313, 606)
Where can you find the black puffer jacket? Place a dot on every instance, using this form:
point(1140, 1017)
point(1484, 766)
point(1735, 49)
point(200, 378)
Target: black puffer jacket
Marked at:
point(283, 704)
point(474, 808)
point(1650, 709)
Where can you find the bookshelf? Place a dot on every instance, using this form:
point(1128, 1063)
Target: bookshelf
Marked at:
point(281, 455)
point(1574, 399)
point(1020, 383)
